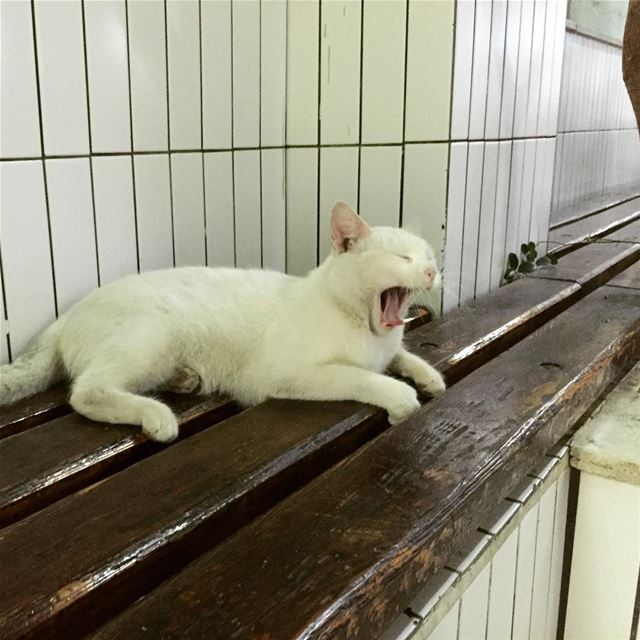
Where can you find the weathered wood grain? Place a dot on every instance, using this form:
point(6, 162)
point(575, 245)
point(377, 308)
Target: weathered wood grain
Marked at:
point(47, 462)
point(630, 278)
point(44, 464)
point(267, 451)
point(593, 264)
point(339, 558)
point(628, 233)
point(33, 411)
point(567, 237)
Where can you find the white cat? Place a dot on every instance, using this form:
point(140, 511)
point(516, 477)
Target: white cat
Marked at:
point(250, 334)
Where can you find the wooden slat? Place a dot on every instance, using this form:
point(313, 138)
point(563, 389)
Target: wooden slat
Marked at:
point(33, 411)
point(242, 467)
point(566, 237)
point(350, 548)
point(630, 278)
point(593, 264)
point(628, 233)
point(52, 460)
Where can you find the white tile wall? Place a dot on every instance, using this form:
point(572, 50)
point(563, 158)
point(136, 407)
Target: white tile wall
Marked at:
point(598, 149)
point(199, 122)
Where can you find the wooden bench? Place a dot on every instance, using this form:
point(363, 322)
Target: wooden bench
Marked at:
point(304, 519)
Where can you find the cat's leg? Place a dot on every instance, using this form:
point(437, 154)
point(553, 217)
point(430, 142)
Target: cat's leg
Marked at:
point(100, 393)
point(183, 380)
point(422, 373)
point(345, 382)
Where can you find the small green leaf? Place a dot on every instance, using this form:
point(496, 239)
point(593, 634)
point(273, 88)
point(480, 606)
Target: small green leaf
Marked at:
point(532, 246)
point(524, 248)
point(527, 267)
point(513, 261)
point(532, 254)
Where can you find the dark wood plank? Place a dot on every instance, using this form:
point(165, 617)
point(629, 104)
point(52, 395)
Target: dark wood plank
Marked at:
point(630, 278)
point(47, 462)
point(243, 466)
point(341, 557)
point(578, 211)
point(592, 265)
point(33, 411)
point(628, 233)
point(565, 238)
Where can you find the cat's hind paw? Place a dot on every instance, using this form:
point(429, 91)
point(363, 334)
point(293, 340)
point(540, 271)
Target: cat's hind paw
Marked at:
point(160, 424)
point(184, 380)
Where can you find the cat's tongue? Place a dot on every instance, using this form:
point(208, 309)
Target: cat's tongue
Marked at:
point(391, 302)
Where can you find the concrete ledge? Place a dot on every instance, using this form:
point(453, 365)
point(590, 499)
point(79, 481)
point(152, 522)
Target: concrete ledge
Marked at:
point(608, 444)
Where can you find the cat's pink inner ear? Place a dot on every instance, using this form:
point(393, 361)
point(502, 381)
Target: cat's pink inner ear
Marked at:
point(346, 226)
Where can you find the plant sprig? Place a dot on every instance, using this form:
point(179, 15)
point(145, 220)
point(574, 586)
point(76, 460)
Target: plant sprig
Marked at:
point(527, 262)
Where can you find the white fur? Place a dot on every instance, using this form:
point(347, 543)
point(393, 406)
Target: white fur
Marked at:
point(251, 334)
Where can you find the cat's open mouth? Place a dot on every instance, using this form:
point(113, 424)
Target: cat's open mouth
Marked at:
point(391, 306)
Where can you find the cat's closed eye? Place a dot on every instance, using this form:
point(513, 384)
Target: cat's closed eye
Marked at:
point(407, 258)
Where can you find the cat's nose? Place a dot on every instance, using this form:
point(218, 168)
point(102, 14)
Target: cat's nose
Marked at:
point(430, 273)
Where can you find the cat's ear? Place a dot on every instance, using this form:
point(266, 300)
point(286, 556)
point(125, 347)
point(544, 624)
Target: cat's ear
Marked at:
point(346, 227)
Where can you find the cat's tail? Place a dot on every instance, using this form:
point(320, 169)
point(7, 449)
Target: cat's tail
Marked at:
point(35, 370)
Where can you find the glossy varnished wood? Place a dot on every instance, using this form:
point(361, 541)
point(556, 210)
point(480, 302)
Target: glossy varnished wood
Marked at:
point(339, 558)
point(268, 451)
point(49, 461)
point(33, 411)
point(593, 264)
point(630, 278)
point(566, 237)
point(628, 233)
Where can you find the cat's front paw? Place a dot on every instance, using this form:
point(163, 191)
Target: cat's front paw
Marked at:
point(160, 424)
point(434, 383)
point(404, 404)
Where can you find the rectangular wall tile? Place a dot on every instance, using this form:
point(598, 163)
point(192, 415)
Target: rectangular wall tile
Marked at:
point(446, 629)
point(27, 275)
point(496, 63)
point(544, 548)
point(425, 193)
point(340, 72)
point(487, 218)
point(480, 69)
point(338, 181)
point(183, 36)
point(524, 574)
point(302, 72)
point(498, 250)
point(302, 210)
point(248, 214)
point(510, 68)
point(273, 209)
point(20, 128)
point(473, 607)
point(72, 229)
point(538, 45)
point(216, 74)
point(148, 75)
point(246, 73)
point(524, 68)
point(429, 60)
point(106, 34)
point(273, 69)
point(462, 70)
point(153, 206)
point(188, 209)
point(455, 225)
point(503, 576)
point(218, 181)
point(63, 88)
point(380, 185)
point(383, 71)
point(471, 222)
point(115, 218)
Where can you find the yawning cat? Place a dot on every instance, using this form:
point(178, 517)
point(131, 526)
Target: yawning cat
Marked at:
point(251, 334)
